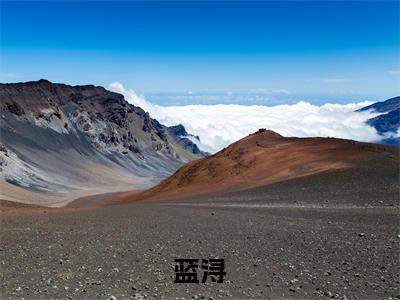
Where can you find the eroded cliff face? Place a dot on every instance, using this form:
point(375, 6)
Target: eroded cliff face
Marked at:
point(58, 141)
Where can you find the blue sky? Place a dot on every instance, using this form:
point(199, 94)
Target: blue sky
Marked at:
point(322, 50)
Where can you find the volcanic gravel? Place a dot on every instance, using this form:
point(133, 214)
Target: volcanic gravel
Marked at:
point(335, 235)
point(128, 251)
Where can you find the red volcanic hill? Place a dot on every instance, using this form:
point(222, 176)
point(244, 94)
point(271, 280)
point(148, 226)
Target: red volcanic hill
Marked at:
point(259, 159)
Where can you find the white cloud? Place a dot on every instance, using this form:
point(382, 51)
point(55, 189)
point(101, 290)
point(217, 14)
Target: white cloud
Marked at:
point(132, 97)
point(335, 80)
point(220, 125)
point(274, 91)
point(394, 72)
point(392, 135)
point(7, 75)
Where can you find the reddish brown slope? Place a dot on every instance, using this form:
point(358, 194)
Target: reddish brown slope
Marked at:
point(261, 159)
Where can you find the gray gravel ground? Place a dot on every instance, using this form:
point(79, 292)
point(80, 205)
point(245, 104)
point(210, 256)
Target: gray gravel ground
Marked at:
point(332, 236)
point(128, 251)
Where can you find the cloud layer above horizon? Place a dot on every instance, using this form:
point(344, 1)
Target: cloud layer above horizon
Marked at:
point(220, 125)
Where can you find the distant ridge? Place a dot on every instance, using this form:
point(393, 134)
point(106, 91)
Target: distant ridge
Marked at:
point(384, 106)
point(388, 123)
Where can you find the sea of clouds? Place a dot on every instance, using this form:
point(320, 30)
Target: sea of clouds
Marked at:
point(220, 125)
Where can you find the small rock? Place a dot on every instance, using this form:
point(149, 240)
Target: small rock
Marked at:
point(328, 294)
point(138, 296)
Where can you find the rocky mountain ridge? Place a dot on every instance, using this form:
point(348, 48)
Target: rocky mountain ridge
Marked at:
point(387, 124)
point(89, 124)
